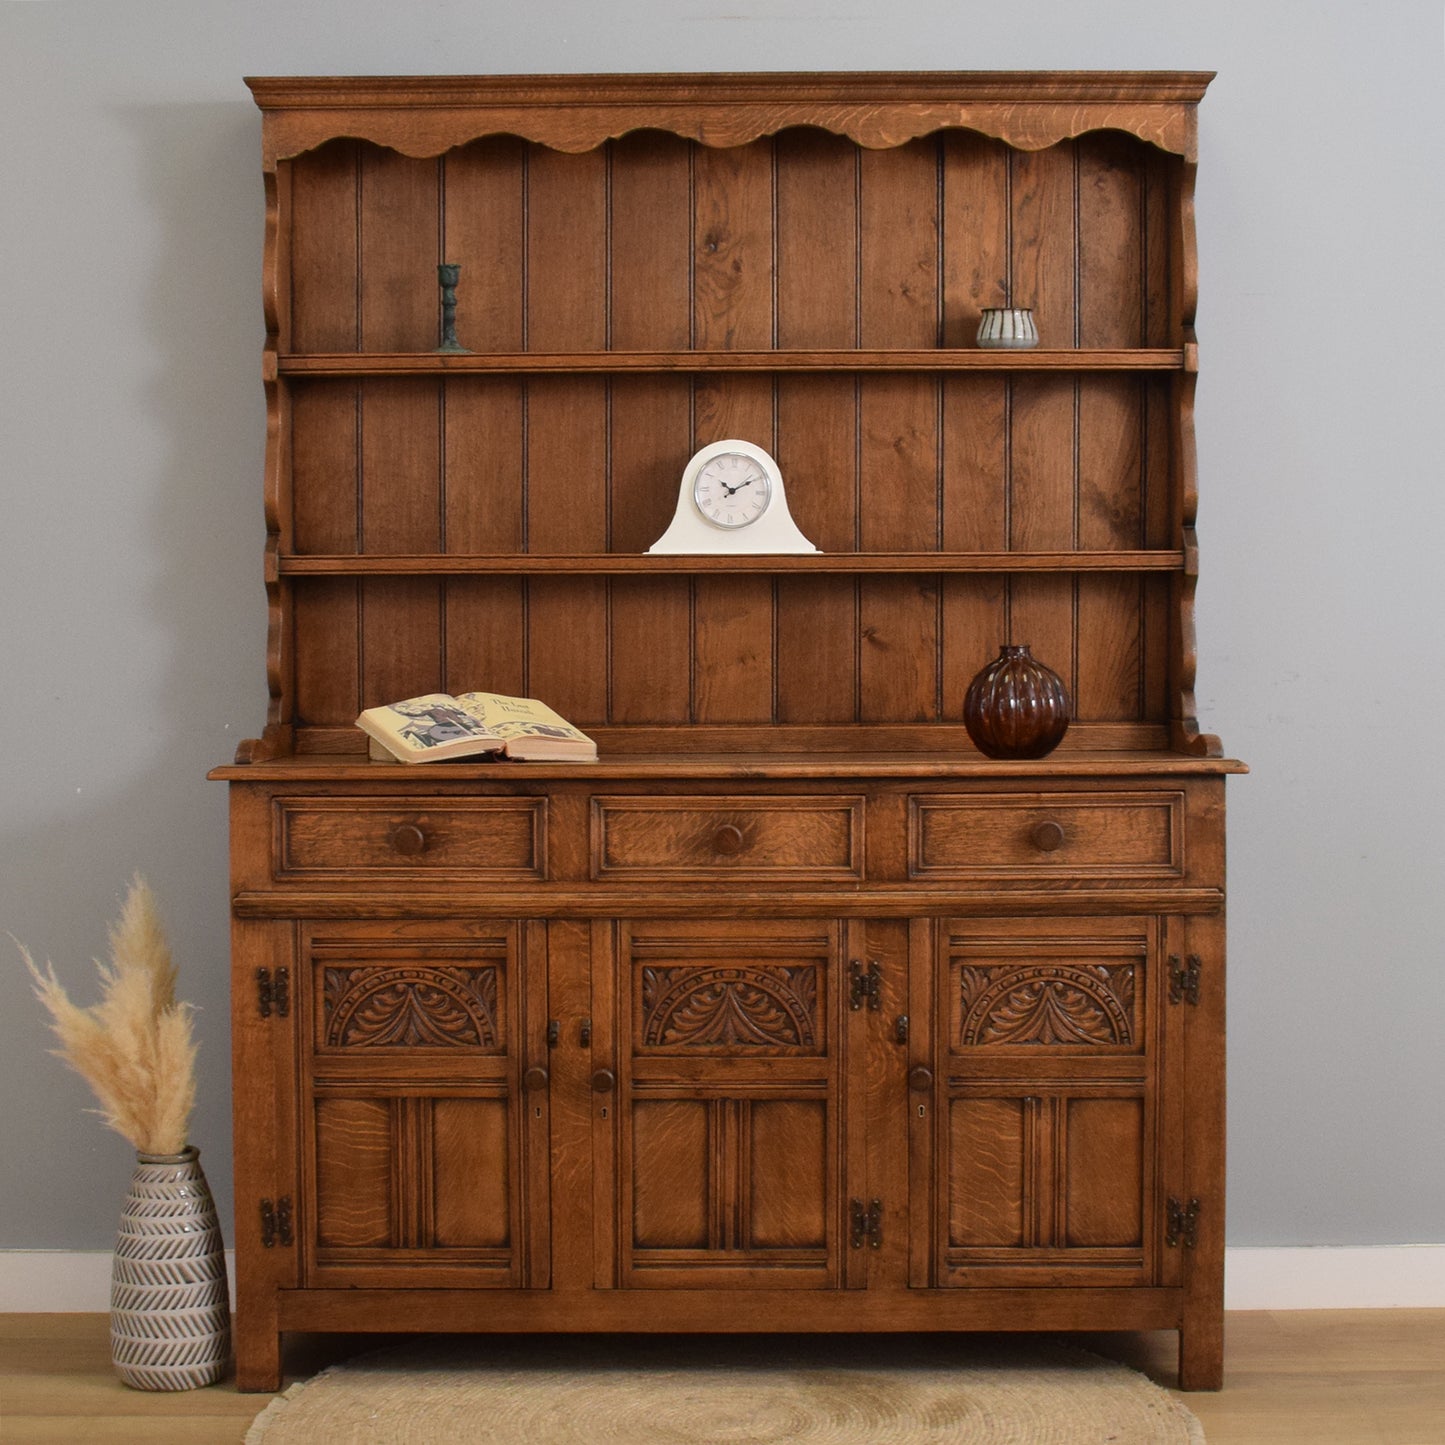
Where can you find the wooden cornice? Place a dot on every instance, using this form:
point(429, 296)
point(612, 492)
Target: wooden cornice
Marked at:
point(427, 115)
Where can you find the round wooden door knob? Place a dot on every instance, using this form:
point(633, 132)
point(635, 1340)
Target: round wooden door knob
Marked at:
point(604, 1081)
point(408, 840)
point(1047, 836)
point(535, 1078)
point(727, 839)
point(920, 1080)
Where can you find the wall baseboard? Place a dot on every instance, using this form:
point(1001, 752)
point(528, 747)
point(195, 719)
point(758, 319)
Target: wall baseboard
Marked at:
point(1335, 1277)
point(1320, 1277)
point(65, 1281)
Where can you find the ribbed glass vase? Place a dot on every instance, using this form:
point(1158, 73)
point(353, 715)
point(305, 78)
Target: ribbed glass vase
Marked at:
point(170, 1311)
point(1016, 707)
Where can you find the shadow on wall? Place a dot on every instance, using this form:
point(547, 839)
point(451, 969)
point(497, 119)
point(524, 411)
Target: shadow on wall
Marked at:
point(199, 585)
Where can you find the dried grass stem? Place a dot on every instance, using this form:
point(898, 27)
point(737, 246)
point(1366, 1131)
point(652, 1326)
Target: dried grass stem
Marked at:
point(135, 1047)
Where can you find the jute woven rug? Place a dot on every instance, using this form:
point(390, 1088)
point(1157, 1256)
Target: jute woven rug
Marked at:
point(731, 1392)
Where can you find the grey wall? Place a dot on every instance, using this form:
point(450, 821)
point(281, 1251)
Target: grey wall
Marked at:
point(131, 616)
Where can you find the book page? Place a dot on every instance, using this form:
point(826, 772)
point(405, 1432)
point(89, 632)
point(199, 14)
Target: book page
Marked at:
point(432, 721)
point(518, 717)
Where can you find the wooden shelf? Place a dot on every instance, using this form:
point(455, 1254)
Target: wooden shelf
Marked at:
point(540, 363)
point(960, 762)
point(625, 564)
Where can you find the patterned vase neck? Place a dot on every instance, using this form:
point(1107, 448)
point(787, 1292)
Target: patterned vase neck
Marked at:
point(187, 1155)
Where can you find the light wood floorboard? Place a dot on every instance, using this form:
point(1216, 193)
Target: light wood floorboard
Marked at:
point(1324, 1377)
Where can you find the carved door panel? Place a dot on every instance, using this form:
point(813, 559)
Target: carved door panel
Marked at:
point(720, 1106)
point(425, 1119)
point(1045, 1133)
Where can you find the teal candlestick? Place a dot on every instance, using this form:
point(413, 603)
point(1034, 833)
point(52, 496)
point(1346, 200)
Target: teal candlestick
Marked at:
point(448, 274)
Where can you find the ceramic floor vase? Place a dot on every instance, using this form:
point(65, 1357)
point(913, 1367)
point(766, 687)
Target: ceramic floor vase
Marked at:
point(1016, 707)
point(170, 1314)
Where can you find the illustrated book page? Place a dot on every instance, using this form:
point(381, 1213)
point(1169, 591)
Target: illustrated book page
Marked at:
point(438, 726)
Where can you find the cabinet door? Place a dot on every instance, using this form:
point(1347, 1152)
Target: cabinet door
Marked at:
point(1044, 1137)
point(720, 1108)
point(424, 1135)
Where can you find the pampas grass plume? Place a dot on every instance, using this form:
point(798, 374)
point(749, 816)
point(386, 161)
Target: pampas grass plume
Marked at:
point(134, 1048)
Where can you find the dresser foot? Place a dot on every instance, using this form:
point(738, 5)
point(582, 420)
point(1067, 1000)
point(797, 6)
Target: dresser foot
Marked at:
point(258, 1361)
point(1201, 1356)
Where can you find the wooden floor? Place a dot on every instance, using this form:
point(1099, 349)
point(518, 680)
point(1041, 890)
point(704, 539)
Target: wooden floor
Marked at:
point(1329, 1377)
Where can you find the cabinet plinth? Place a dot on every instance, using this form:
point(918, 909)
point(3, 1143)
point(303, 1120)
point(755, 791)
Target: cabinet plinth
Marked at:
point(792, 1011)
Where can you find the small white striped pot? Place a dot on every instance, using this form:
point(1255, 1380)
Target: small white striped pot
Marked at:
point(170, 1312)
point(1008, 328)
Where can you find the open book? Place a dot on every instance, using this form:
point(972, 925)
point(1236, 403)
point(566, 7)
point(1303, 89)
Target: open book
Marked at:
point(437, 726)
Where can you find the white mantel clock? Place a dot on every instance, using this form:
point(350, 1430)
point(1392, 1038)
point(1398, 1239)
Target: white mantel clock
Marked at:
point(731, 501)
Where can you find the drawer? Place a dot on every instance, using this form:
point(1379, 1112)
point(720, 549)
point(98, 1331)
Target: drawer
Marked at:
point(1061, 835)
point(496, 838)
point(765, 839)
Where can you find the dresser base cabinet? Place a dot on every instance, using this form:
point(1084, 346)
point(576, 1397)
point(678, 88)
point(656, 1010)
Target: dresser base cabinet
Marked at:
point(793, 1011)
point(778, 1098)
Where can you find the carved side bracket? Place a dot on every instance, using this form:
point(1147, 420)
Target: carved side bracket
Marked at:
point(1185, 735)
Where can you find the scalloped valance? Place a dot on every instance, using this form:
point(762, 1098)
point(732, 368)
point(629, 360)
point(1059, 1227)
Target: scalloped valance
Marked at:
point(425, 115)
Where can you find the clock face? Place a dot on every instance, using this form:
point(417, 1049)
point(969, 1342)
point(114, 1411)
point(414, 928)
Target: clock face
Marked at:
point(732, 490)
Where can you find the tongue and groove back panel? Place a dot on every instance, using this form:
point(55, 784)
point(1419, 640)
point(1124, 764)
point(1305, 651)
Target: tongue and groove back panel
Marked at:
point(799, 241)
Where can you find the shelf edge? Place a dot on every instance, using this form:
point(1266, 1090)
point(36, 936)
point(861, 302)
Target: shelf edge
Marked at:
point(643, 564)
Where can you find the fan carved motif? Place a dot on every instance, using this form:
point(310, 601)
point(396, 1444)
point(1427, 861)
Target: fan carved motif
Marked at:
point(421, 1007)
point(1049, 1005)
point(744, 1009)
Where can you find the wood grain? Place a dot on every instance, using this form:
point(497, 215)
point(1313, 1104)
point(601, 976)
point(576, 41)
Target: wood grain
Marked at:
point(733, 616)
point(649, 423)
point(471, 1184)
point(566, 275)
point(987, 1177)
point(787, 1177)
point(976, 228)
point(353, 1173)
point(1111, 242)
point(670, 1191)
point(566, 221)
point(400, 303)
point(484, 200)
point(733, 247)
point(321, 226)
point(1104, 1193)
point(818, 178)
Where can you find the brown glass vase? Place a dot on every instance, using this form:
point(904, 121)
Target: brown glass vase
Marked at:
point(1016, 707)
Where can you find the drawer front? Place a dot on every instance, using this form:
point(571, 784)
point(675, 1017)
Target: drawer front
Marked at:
point(772, 839)
point(497, 838)
point(1060, 835)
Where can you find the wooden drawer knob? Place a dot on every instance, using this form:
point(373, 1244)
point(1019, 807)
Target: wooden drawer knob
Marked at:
point(727, 840)
point(604, 1081)
point(408, 840)
point(535, 1078)
point(1047, 836)
point(920, 1080)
